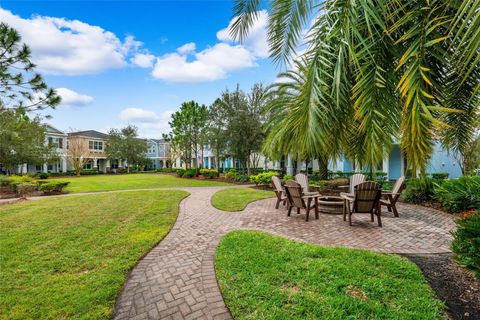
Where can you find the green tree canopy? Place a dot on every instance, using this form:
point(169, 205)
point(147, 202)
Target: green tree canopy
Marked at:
point(245, 123)
point(124, 144)
point(187, 135)
point(20, 86)
point(374, 73)
point(22, 140)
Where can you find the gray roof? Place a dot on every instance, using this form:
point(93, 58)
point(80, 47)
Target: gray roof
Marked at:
point(90, 133)
point(52, 129)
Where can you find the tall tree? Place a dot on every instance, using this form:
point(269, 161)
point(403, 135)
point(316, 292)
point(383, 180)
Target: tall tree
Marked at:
point(217, 124)
point(22, 140)
point(245, 132)
point(388, 70)
point(187, 127)
point(124, 144)
point(20, 86)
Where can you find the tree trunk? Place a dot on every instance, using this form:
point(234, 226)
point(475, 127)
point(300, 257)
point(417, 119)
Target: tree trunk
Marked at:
point(323, 167)
point(217, 162)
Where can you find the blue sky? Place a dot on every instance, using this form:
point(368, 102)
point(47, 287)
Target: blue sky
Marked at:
point(134, 62)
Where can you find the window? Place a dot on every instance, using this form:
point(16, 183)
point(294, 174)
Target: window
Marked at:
point(151, 149)
point(87, 166)
point(95, 145)
point(55, 142)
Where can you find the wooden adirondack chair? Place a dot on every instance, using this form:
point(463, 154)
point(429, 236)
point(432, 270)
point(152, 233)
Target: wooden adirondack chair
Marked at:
point(389, 199)
point(355, 180)
point(299, 200)
point(366, 199)
point(279, 191)
point(302, 180)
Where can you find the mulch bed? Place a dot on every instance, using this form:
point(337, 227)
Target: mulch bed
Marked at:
point(453, 284)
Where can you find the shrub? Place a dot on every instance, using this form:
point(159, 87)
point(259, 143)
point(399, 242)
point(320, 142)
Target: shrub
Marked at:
point(17, 180)
point(321, 185)
point(420, 190)
point(189, 173)
point(388, 185)
point(440, 175)
point(209, 173)
point(90, 172)
point(242, 178)
point(42, 175)
point(231, 174)
point(466, 242)
point(4, 181)
point(180, 172)
point(288, 177)
point(25, 188)
point(460, 194)
point(53, 186)
point(335, 183)
point(166, 170)
point(264, 178)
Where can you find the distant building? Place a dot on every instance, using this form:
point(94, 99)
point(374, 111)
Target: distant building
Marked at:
point(393, 165)
point(158, 152)
point(95, 142)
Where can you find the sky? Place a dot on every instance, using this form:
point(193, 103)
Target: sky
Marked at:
point(134, 62)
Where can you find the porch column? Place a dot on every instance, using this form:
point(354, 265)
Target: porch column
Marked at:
point(64, 165)
point(107, 165)
point(289, 164)
point(299, 166)
point(385, 166)
point(24, 168)
point(45, 168)
point(94, 163)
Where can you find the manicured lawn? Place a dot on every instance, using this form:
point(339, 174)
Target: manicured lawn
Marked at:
point(236, 199)
point(68, 257)
point(268, 277)
point(133, 181)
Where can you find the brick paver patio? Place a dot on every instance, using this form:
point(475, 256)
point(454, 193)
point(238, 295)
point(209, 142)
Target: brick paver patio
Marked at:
point(176, 280)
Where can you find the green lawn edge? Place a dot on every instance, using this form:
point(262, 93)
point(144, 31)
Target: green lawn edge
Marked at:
point(237, 199)
point(263, 276)
point(107, 182)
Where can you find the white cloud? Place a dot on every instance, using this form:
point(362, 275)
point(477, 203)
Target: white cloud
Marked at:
point(187, 48)
point(149, 123)
point(72, 98)
point(256, 40)
point(210, 64)
point(137, 115)
point(143, 60)
point(70, 47)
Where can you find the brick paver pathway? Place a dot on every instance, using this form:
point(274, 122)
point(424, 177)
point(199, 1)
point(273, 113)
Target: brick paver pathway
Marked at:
point(176, 280)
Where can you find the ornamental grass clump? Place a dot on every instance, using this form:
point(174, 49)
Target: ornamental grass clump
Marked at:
point(459, 194)
point(420, 190)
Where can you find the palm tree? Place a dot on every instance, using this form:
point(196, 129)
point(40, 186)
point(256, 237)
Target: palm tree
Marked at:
point(375, 72)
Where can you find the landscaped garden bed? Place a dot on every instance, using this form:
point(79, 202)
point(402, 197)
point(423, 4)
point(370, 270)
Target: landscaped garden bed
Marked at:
point(453, 284)
point(22, 186)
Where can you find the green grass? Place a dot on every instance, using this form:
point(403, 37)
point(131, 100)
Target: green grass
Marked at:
point(268, 277)
point(133, 181)
point(236, 199)
point(68, 257)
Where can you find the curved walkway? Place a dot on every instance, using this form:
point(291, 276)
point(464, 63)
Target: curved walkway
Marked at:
point(176, 280)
